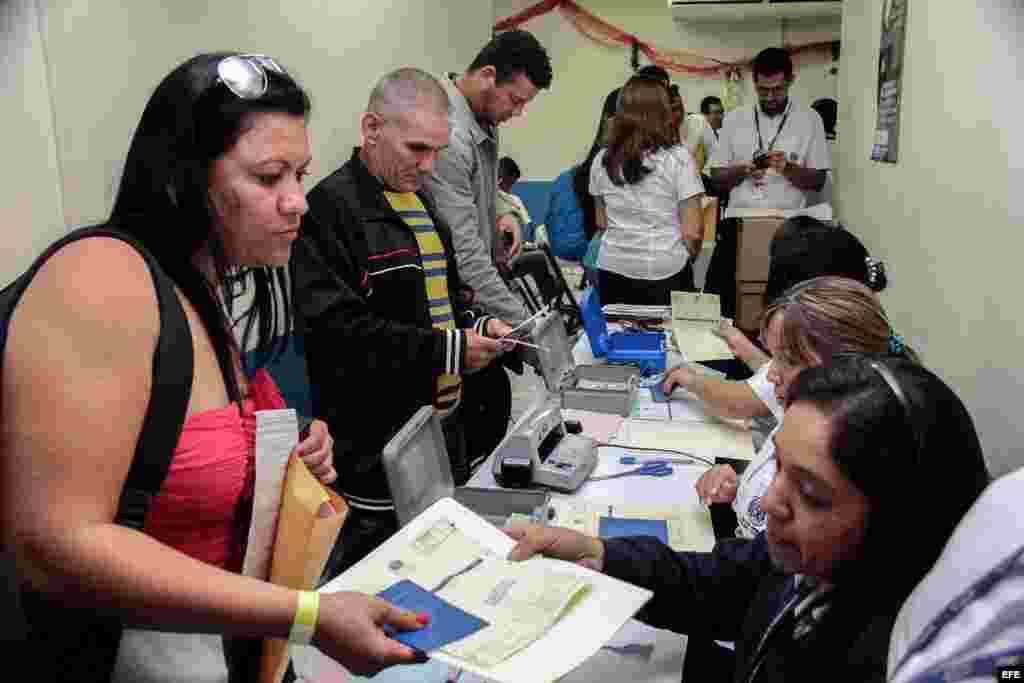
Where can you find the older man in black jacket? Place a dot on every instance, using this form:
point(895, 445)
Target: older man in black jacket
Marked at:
point(379, 303)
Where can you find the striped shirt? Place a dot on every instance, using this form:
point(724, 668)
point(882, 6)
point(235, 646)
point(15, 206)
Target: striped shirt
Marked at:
point(435, 279)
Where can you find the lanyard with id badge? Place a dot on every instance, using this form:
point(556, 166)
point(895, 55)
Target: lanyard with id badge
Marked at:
point(761, 160)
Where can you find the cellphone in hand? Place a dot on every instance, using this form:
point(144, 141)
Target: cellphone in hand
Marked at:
point(762, 160)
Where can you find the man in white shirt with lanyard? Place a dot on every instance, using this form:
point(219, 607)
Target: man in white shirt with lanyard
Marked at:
point(772, 154)
point(768, 156)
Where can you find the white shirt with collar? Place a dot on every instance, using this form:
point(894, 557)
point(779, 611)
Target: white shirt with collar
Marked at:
point(710, 142)
point(644, 240)
point(802, 138)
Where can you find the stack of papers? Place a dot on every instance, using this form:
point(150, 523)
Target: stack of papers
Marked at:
point(543, 617)
point(635, 312)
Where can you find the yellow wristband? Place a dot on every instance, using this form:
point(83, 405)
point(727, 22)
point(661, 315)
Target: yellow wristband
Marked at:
point(305, 618)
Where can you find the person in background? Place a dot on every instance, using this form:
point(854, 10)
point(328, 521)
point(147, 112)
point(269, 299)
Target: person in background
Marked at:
point(851, 529)
point(503, 78)
point(713, 112)
point(380, 302)
point(212, 190)
point(648, 201)
point(656, 72)
point(512, 214)
point(828, 110)
point(675, 99)
point(769, 156)
point(571, 218)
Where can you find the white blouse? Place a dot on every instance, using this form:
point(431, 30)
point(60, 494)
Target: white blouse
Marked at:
point(643, 240)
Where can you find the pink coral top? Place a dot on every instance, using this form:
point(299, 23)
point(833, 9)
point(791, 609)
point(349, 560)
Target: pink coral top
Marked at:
point(205, 504)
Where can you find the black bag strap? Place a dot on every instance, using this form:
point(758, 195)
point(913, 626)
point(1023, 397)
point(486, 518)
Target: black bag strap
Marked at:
point(173, 367)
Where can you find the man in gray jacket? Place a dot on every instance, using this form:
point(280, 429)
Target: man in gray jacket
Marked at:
point(506, 74)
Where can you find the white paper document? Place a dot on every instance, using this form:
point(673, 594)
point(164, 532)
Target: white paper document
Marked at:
point(689, 526)
point(698, 340)
point(546, 616)
point(719, 439)
point(277, 433)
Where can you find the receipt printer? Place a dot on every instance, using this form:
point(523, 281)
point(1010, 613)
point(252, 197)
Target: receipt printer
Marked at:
point(419, 474)
point(596, 388)
point(538, 450)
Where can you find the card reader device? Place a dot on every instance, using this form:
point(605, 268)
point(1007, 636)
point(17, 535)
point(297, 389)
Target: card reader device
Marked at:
point(596, 388)
point(540, 445)
point(419, 474)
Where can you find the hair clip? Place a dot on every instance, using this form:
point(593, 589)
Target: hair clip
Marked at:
point(876, 272)
point(897, 345)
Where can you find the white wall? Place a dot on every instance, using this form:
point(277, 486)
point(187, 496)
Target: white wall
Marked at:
point(83, 69)
point(560, 124)
point(947, 218)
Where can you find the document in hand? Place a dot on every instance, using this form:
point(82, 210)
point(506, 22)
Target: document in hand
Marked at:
point(310, 518)
point(544, 617)
point(695, 320)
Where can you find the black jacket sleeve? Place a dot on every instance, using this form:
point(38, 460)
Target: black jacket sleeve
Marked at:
point(706, 594)
point(330, 295)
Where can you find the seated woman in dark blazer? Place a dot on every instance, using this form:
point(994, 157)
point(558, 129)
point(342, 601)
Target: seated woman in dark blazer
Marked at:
point(878, 461)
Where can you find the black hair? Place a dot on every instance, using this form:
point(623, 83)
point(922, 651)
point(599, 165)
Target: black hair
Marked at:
point(771, 61)
point(705, 104)
point(654, 71)
point(163, 199)
point(805, 248)
point(828, 110)
point(508, 168)
point(515, 52)
point(918, 460)
point(581, 179)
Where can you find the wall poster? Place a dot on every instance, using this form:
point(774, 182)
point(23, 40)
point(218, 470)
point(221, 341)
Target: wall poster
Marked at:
point(890, 73)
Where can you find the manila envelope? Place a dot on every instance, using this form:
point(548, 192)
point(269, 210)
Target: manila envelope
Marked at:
point(311, 517)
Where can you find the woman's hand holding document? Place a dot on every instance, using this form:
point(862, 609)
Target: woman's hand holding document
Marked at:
point(507, 621)
point(696, 326)
point(299, 520)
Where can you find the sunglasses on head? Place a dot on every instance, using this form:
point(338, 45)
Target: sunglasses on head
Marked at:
point(246, 75)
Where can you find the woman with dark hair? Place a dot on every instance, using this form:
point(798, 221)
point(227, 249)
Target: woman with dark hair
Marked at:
point(648, 194)
point(581, 178)
point(850, 531)
point(211, 198)
point(570, 221)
